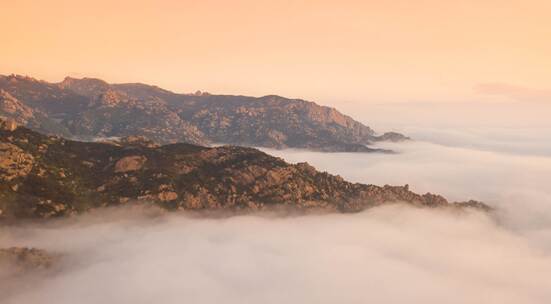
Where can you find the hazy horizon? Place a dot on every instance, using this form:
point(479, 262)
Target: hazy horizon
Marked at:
point(326, 51)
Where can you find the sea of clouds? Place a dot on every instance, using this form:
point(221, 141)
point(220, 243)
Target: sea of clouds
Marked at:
point(390, 254)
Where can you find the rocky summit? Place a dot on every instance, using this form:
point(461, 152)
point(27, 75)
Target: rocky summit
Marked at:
point(48, 176)
point(92, 108)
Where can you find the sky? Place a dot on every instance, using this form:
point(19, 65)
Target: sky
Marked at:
point(326, 51)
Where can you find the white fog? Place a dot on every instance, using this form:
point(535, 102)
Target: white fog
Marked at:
point(390, 254)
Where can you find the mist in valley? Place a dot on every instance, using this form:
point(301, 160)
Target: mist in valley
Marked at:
point(389, 254)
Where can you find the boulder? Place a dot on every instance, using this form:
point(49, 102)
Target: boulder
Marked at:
point(130, 163)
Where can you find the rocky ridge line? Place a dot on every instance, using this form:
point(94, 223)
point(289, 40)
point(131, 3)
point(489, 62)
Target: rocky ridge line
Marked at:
point(91, 108)
point(48, 176)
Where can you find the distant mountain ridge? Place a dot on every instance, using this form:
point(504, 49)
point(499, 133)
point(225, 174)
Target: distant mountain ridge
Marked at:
point(90, 108)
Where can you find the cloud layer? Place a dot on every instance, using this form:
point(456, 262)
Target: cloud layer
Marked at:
point(515, 183)
point(391, 254)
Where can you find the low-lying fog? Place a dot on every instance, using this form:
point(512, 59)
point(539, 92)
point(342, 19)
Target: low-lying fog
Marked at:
point(385, 255)
point(392, 254)
point(517, 185)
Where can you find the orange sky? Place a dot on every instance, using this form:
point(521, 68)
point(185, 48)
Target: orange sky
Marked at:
point(328, 51)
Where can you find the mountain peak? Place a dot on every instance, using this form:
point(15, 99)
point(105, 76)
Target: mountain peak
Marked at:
point(90, 87)
point(71, 80)
point(15, 78)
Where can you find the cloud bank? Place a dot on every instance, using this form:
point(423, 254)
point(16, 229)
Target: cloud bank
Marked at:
point(516, 184)
point(391, 254)
point(385, 255)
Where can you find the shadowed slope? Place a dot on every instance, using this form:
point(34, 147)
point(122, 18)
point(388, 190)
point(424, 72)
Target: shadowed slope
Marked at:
point(90, 108)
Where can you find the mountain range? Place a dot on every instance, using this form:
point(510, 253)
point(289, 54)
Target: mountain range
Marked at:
point(91, 109)
point(48, 176)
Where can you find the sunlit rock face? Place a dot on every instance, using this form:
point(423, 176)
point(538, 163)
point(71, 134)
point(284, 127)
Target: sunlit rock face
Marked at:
point(14, 162)
point(8, 125)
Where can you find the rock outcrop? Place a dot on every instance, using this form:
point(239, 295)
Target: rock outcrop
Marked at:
point(90, 108)
point(8, 125)
point(130, 163)
point(25, 259)
point(14, 162)
point(47, 176)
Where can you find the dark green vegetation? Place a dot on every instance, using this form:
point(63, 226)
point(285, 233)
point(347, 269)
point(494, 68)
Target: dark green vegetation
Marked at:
point(90, 108)
point(46, 176)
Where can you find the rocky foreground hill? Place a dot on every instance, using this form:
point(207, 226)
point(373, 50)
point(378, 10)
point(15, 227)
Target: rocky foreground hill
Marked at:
point(47, 176)
point(90, 108)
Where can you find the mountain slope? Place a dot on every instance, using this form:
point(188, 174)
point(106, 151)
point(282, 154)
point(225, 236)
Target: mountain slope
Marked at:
point(90, 108)
point(12, 108)
point(44, 176)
